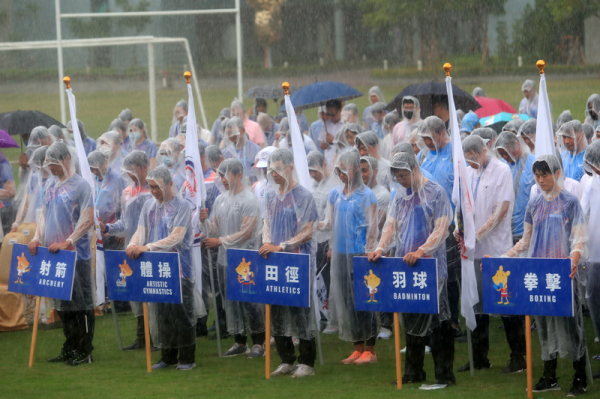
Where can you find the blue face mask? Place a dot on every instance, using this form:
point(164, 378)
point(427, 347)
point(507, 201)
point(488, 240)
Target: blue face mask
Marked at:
point(168, 161)
point(135, 136)
point(26, 142)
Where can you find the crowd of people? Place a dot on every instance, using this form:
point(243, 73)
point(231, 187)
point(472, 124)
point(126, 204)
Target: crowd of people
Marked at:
point(381, 186)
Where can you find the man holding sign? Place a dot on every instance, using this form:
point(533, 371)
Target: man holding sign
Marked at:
point(64, 223)
point(555, 228)
point(165, 226)
point(417, 225)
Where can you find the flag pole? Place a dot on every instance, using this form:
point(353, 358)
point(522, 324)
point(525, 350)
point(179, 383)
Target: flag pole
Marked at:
point(35, 330)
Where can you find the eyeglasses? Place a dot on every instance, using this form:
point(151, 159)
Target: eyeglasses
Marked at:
point(153, 188)
point(331, 115)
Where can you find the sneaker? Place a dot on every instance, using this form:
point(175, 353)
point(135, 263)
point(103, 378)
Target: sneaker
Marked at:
point(161, 365)
point(237, 349)
point(533, 326)
point(186, 367)
point(513, 366)
point(303, 371)
point(366, 357)
point(257, 351)
point(283, 369)
point(596, 339)
point(80, 358)
point(330, 330)
point(467, 367)
point(272, 341)
point(295, 341)
point(384, 333)
point(427, 350)
point(578, 387)
point(353, 356)
point(546, 384)
point(403, 350)
point(137, 344)
point(64, 356)
point(212, 328)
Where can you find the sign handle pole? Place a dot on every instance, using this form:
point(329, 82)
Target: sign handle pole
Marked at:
point(114, 315)
point(528, 354)
point(212, 287)
point(398, 355)
point(147, 334)
point(318, 325)
point(589, 368)
point(470, 344)
point(268, 341)
point(35, 329)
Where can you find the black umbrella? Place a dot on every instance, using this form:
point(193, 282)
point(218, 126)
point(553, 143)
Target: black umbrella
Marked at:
point(23, 122)
point(426, 92)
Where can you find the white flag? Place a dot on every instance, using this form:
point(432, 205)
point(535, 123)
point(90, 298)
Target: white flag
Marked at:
point(87, 174)
point(544, 136)
point(300, 162)
point(462, 198)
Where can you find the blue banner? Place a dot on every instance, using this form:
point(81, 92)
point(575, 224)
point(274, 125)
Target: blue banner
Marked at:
point(152, 277)
point(390, 285)
point(45, 274)
point(527, 286)
point(281, 279)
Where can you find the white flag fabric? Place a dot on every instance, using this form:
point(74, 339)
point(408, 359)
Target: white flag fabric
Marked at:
point(462, 198)
point(544, 136)
point(87, 174)
point(193, 189)
point(300, 162)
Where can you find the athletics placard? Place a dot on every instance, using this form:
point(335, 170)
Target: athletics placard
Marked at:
point(46, 274)
point(281, 279)
point(152, 277)
point(390, 285)
point(527, 286)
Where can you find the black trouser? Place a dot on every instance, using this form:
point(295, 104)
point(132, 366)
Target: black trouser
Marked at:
point(454, 300)
point(370, 342)
point(287, 352)
point(206, 288)
point(187, 355)
point(8, 216)
point(257, 338)
point(78, 327)
point(514, 327)
point(441, 341)
point(387, 320)
point(578, 366)
point(454, 275)
point(481, 340)
point(139, 331)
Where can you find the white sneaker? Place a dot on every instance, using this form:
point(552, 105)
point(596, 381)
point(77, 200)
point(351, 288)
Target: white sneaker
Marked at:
point(596, 340)
point(403, 350)
point(272, 342)
point(427, 350)
point(384, 333)
point(296, 341)
point(283, 368)
point(330, 330)
point(303, 371)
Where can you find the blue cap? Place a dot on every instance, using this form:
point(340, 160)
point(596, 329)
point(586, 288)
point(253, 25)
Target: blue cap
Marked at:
point(469, 122)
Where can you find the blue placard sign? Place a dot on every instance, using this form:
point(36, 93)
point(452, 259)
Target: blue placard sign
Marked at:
point(527, 286)
point(281, 279)
point(46, 274)
point(152, 277)
point(390, 285)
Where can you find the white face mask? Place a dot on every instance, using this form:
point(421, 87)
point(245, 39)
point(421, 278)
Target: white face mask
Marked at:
point(106, 150)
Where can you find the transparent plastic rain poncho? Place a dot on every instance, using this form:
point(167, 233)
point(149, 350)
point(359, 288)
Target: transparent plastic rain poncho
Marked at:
point(68, 214)
point(110, 145)
point(368, 167)
point(564, 117)
point(529, 106)
point(555, 227)
point(589, 132)
point(527, 133)
point(376, 126)
point(436, 160)
point(478, 92)
point(179, 112)
point(165, 226)
point(321, 189)
point(285, 139)
point(513, 125)
point(169, 156)
point(235, 219)
point(419, 218)
point(571, 143)
point(367, 116)
point(126, 115)
point(240, 146)
point(371, 143)
point(38, 137)
point(520, 162)
point(32, 203)
point(291, 219)
point(352, 215)
point(488, 135)
point(350, 113)
point(261, 162)
point(592, 110)
point(402, 130)
point(59, 134)
point(390, 120)
point(136, 131)
point(89, 144)
point(346, 136)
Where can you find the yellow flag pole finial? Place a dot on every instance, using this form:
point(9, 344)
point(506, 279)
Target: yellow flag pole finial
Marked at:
point(541, 64)
point(188, 76)
point(67, 81)
point(286, 88)
point(447, 68)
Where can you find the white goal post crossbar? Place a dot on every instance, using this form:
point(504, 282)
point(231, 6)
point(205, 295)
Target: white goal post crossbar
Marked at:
point(121, 41)
point(238, 37)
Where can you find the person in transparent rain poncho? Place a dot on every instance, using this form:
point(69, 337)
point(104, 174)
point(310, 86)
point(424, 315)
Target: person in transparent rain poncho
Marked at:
point(513, 126)
point(417, 225)
point(110, 145)
point(32, 203)
point(121, 127)
point(527, 133)
point(164, 225)
point(563, 118)
point(261, 162)
point(242, 148)
point(572, 144)
point(38, 137)
point(251, 128)
point(89, 144)
point(493, 199)
point(139, 140)
point(529, 104)
point(133, 198)
point(592, 110)
point(331, 127)
point(179, 112)
point(488, 135)
point(235, 222)
point(555, 227)
point(378, 113)
point(64, 224)
point(289, 226)
point(390, 120)
point(285, 140)
point(591, 193)
point(350, 113)
point(323, 183)
point(411, 114)
point(409, 149)
point(352, 215)
point(168, 153)
point(375, 96)
point(368, 144)
point(317, 126)
point(59, 134)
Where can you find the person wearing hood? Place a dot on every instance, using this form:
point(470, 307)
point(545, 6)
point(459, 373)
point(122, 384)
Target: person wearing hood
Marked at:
point(138, 136)
point(110, 145)
point(469, 123)
point(89, 144)
point(411, 114)
point(378, 113)
point(572, 144)
point(285, 140)
point(592, 110)
point(390, 120)
point(216, 132)
point(529, 104)
point(375, 96)
point(350, 113)
point(368, 143)
point(255, 133)
point(260, 106)
point(242, 148)
point(168, 152)
point(330, 129)
point(478, 92)
point(120, 127)
point(268, 126)
point(563, 118)
point(179, 112)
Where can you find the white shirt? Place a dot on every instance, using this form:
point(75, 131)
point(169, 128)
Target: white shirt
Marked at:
point(591, 191)
point(331, 128)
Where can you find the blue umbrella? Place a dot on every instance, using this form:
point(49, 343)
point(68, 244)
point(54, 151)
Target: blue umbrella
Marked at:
point(498, 121)
point(318, 93)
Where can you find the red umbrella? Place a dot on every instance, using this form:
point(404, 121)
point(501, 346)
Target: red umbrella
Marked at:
point(492, 106)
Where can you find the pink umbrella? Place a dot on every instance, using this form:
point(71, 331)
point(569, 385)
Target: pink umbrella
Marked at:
point(6, 141)
point(492, 106)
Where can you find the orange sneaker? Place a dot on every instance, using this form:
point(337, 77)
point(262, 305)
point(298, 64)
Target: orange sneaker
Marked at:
point(366, 357)
point(354, 356)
